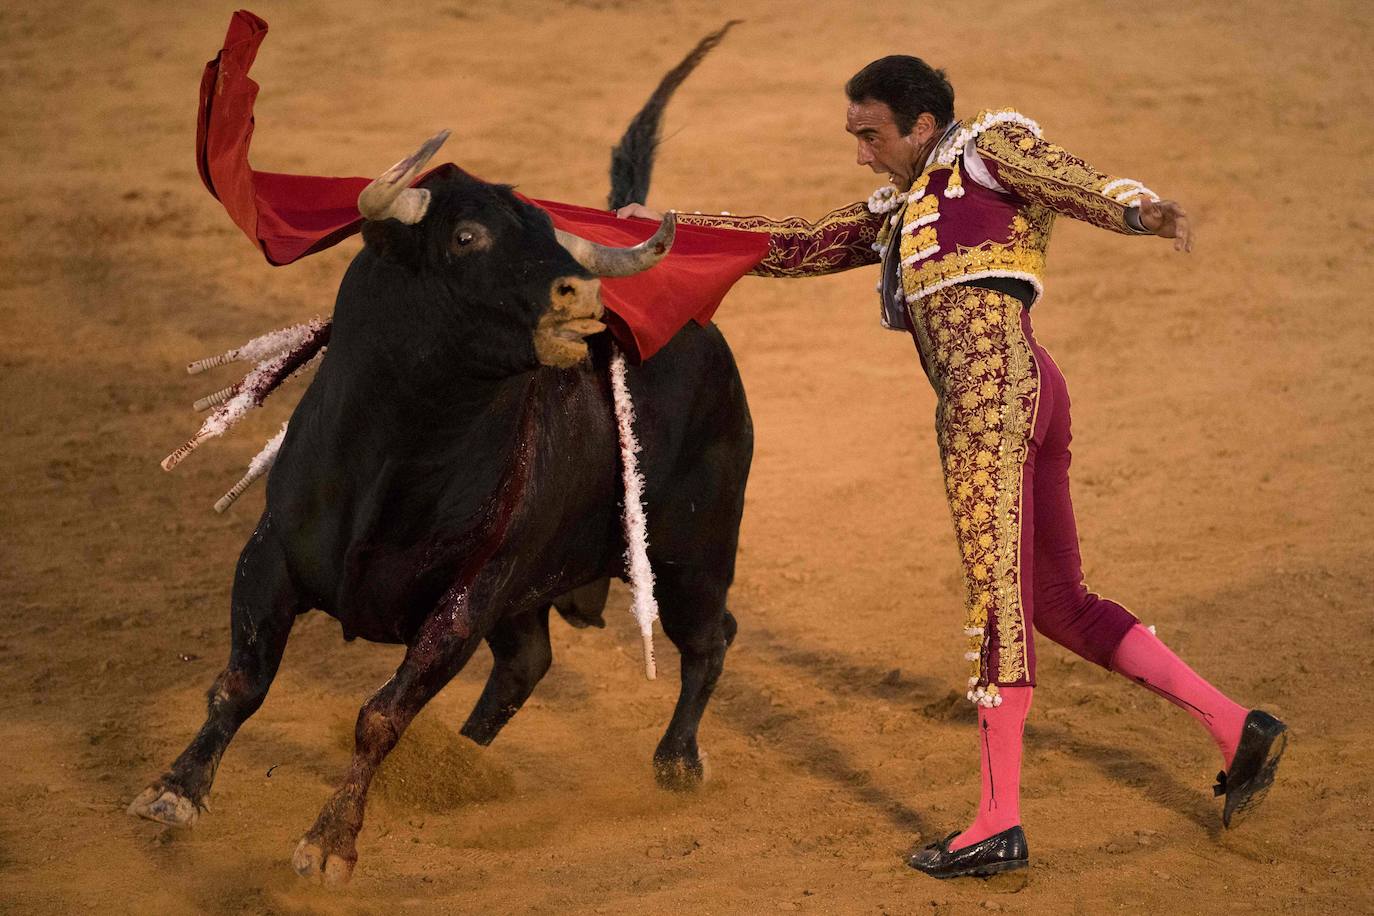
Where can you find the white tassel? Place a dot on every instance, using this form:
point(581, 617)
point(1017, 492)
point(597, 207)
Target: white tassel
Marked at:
point(259, 348)
point(262, 463)
point(644, 607)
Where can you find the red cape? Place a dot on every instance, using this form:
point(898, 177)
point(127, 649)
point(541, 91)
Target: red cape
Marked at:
point(291, 216)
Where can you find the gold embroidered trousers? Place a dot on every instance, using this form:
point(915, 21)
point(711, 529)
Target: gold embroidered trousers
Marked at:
point(1002, 422)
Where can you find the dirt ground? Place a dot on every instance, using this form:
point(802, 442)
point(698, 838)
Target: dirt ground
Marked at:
point(1223, 409)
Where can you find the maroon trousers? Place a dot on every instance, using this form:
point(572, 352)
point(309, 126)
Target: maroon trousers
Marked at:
point(1060, 605)
point(1003, 425)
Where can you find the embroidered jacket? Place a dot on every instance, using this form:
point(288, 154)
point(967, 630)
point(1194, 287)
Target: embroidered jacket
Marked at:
point(983, 207)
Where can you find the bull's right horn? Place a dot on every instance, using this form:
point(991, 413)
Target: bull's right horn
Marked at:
point(391, 196)
point(609, 261)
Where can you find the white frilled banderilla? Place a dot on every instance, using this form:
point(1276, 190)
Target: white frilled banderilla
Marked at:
point(278, 356)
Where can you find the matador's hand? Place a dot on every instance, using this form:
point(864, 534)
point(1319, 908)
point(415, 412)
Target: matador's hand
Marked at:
point(640, 211)
point(1166, 219)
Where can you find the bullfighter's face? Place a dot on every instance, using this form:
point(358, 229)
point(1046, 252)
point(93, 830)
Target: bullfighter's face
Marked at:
point(882, 145)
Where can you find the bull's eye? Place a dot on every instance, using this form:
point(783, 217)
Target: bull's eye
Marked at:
point(469, 236)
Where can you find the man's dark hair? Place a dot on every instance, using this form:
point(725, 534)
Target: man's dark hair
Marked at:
point(907, 85)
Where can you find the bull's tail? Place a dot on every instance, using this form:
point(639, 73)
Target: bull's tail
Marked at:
point(632, 159)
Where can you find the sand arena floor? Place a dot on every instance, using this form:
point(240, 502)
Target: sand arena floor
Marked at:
point(1223, 409)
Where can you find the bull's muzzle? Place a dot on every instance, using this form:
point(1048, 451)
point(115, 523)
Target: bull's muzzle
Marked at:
point(574, 314)
point(575, 304)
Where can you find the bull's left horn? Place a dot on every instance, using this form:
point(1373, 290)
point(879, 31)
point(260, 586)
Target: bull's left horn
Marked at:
point(608, 261)
point(391, 197)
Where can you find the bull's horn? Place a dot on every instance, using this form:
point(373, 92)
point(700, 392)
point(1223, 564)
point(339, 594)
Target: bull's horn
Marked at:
point(391, 196)
point(607, 261)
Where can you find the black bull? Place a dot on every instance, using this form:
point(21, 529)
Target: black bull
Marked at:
point(439, 486)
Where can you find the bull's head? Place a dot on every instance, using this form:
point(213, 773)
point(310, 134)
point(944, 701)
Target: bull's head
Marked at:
point(501, 251)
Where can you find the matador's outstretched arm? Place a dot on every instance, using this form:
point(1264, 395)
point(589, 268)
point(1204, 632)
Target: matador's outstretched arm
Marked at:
point(1047, 174)
point(840, 240)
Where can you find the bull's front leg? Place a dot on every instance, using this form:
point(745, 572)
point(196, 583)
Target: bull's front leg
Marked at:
point(443, 645)
point(264, 605)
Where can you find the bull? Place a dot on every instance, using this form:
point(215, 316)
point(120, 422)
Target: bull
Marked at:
point(452, 472)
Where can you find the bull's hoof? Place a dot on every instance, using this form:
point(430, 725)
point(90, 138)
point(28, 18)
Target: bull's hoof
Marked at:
point(165, 806)
point(680, 774)
point(311, 861)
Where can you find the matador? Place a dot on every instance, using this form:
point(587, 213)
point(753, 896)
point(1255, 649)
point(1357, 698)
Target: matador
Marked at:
point(961, 236)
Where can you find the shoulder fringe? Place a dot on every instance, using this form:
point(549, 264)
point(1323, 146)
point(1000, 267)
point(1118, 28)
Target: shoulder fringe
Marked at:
point(887, 198)
point(953, 147)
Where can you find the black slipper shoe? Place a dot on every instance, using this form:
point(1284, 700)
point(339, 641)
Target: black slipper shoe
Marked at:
point(1001, 852)
point(1262, 742)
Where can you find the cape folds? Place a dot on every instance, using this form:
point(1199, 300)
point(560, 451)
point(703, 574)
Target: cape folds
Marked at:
point(291, 216)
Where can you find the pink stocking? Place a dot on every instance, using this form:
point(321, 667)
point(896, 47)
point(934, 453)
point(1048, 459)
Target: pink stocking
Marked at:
point(1147, 661)
point(999, 747)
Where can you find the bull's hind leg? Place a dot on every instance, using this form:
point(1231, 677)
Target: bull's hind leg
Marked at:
point(583, 607)
point(692, 611)
point(438, 652)
point(263, 606)
point(523, 655)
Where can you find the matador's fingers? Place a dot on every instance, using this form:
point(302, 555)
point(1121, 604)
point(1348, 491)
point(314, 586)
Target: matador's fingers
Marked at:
point(638, 210)
point(1183, 229)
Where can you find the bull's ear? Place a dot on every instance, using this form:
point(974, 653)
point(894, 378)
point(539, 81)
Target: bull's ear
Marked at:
point(393, 240)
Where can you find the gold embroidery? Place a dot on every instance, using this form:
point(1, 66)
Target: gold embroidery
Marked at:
point(1023, 255)
point(1047, 174)
point(923, 238)
point(985, 376)
point(928, 205)
point(837, 241)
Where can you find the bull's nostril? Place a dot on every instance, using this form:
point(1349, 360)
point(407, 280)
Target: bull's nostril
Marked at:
point(566, 289)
